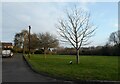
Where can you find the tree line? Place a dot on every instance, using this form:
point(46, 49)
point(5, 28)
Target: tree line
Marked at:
point(92, 51)
point(111, 48)
point(46, 43)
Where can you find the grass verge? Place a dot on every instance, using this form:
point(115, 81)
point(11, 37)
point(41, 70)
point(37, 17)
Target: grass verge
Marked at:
point(90, 67)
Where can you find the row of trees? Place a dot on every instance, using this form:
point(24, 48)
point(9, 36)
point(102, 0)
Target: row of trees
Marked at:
point(111, 48)
point(106, 50)
point(39, 41)
point(43, 42)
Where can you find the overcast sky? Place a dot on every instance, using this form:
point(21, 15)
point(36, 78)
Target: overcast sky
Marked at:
point(43, 16)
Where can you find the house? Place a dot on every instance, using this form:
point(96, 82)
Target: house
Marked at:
point(7, 45)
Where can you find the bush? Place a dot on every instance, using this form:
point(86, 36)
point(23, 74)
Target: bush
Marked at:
point(41, 51)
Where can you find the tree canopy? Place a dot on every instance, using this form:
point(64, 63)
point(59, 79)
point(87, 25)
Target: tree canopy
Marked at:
point(43, 41)
point(46, 40)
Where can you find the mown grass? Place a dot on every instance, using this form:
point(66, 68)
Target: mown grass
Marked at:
point(90, 67)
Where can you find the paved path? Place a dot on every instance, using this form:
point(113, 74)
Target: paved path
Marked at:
point(15, 69)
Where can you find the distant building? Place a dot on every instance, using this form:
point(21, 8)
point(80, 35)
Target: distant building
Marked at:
point(6, 45)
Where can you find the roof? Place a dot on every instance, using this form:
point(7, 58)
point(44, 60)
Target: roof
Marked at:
point(7, 45)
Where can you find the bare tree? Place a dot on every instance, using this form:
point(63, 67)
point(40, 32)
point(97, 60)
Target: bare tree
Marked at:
point(34, 42)
point(76, 28)
point(115, 38)
point(46, 41)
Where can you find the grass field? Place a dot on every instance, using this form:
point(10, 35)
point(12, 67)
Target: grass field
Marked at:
point(90, 67)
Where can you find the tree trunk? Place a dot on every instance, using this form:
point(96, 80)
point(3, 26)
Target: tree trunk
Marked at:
point(45, 52)
point(23, 49)
point(77, 56)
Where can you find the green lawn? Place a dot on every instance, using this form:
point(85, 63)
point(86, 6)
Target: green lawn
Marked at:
point(90, 67)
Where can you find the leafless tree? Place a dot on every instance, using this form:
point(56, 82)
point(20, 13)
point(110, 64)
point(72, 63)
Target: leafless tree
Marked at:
point(76, 28)
point(34, 42)
point(46, 41)
point(115, 38)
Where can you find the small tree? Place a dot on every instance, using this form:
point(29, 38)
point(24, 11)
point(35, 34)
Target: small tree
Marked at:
point(76, 28)
point(34, 42)
point(46, 40)
point(115, 38)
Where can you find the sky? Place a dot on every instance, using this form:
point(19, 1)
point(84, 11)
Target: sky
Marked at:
point(42, 16)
